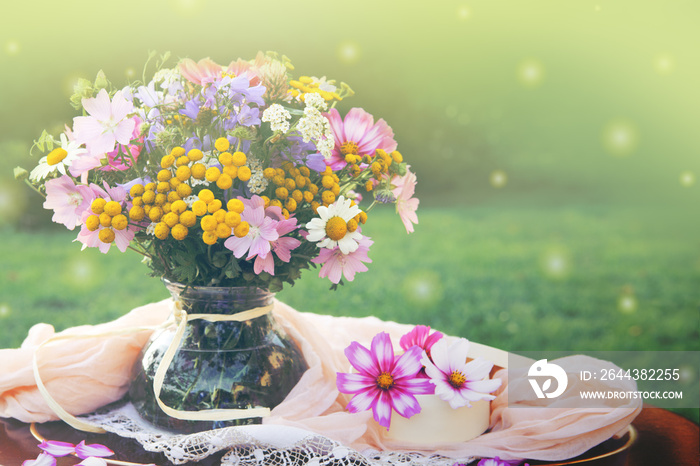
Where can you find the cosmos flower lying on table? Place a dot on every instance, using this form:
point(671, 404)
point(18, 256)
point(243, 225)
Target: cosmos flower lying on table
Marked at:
point(384, 382)
point(224, 175)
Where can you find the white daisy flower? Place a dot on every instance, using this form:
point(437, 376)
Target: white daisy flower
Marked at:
point(330, 228)
point(58, 159)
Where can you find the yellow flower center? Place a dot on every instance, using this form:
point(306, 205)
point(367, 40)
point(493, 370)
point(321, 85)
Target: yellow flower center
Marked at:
point(56, 155)
point(349, 147)
point(336, 228)
point(385, 381)
point(457, 379)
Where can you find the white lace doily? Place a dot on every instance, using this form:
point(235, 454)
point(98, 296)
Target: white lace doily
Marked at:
point(251, 445)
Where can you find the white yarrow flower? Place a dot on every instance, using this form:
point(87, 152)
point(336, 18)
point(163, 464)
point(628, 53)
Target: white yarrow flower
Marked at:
point(315, 100)
point(257, 182)
point(325, 145)
point(278, 117)
point(190, 200)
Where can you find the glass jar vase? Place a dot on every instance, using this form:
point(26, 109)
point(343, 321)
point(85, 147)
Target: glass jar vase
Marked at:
point(218, 365)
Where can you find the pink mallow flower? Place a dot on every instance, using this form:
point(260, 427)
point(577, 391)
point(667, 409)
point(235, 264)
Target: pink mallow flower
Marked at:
point(262, 231)
point(119, 236)
point(357, 134)
point(67, 200)
point(406, 204)
point(383, 383)
point(420, 336)
point(336, 264)
point(282, 246)
point(124, 156)
point(107, 124)
point(457, 381)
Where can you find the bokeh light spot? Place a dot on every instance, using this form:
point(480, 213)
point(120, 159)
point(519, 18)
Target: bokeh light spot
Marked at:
point(11, 203)
point(423, 288)
point(530, 73)
point(687, 179)
point(627, 304)
point(664, 64)
point(620, 137)
point(556, 263)
point(81, 273)
point(687, 374)
point(5, 311)
point(186, 8)
point(464, 13)
point(130, 72)
point(12, 47)
point(348, 52)
point(498, 178)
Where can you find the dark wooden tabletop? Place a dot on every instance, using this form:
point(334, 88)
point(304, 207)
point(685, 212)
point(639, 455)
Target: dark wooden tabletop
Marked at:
point(664, 439)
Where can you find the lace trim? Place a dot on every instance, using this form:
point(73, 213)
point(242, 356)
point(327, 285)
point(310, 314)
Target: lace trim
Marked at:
point(244, 448)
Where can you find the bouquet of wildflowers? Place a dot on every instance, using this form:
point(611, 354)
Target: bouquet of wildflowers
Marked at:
point(224, 175)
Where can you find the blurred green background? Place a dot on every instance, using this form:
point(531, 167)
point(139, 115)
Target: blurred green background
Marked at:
point(556, 147)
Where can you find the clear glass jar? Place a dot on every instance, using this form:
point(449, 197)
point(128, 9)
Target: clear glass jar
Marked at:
point(218, 365)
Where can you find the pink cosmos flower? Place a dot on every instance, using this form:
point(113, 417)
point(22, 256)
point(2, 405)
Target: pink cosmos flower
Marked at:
point(91, 239)
point(107, 123)
point(336, 264)
point(457, 381)
point(357, 134)
point(383, 383)
point(207, 71)
point(406, 204)
point(420, 336)
point(263, 231)
point(67, 200)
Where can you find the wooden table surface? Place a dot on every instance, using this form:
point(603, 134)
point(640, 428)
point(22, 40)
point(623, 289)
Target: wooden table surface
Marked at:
point(665, 439)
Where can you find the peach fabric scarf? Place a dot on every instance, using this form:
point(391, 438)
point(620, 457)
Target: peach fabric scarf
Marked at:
point(83, 375)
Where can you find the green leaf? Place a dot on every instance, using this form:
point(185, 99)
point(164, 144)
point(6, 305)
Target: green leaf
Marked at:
point(21, 174)
point(101, 81)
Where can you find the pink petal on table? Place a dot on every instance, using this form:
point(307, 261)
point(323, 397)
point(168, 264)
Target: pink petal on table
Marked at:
point(44, 459)
point(92, 461)
point(55, 448)
point(83, 451)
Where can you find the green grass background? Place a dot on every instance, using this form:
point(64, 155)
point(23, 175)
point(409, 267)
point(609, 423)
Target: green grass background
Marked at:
point(565, 279)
